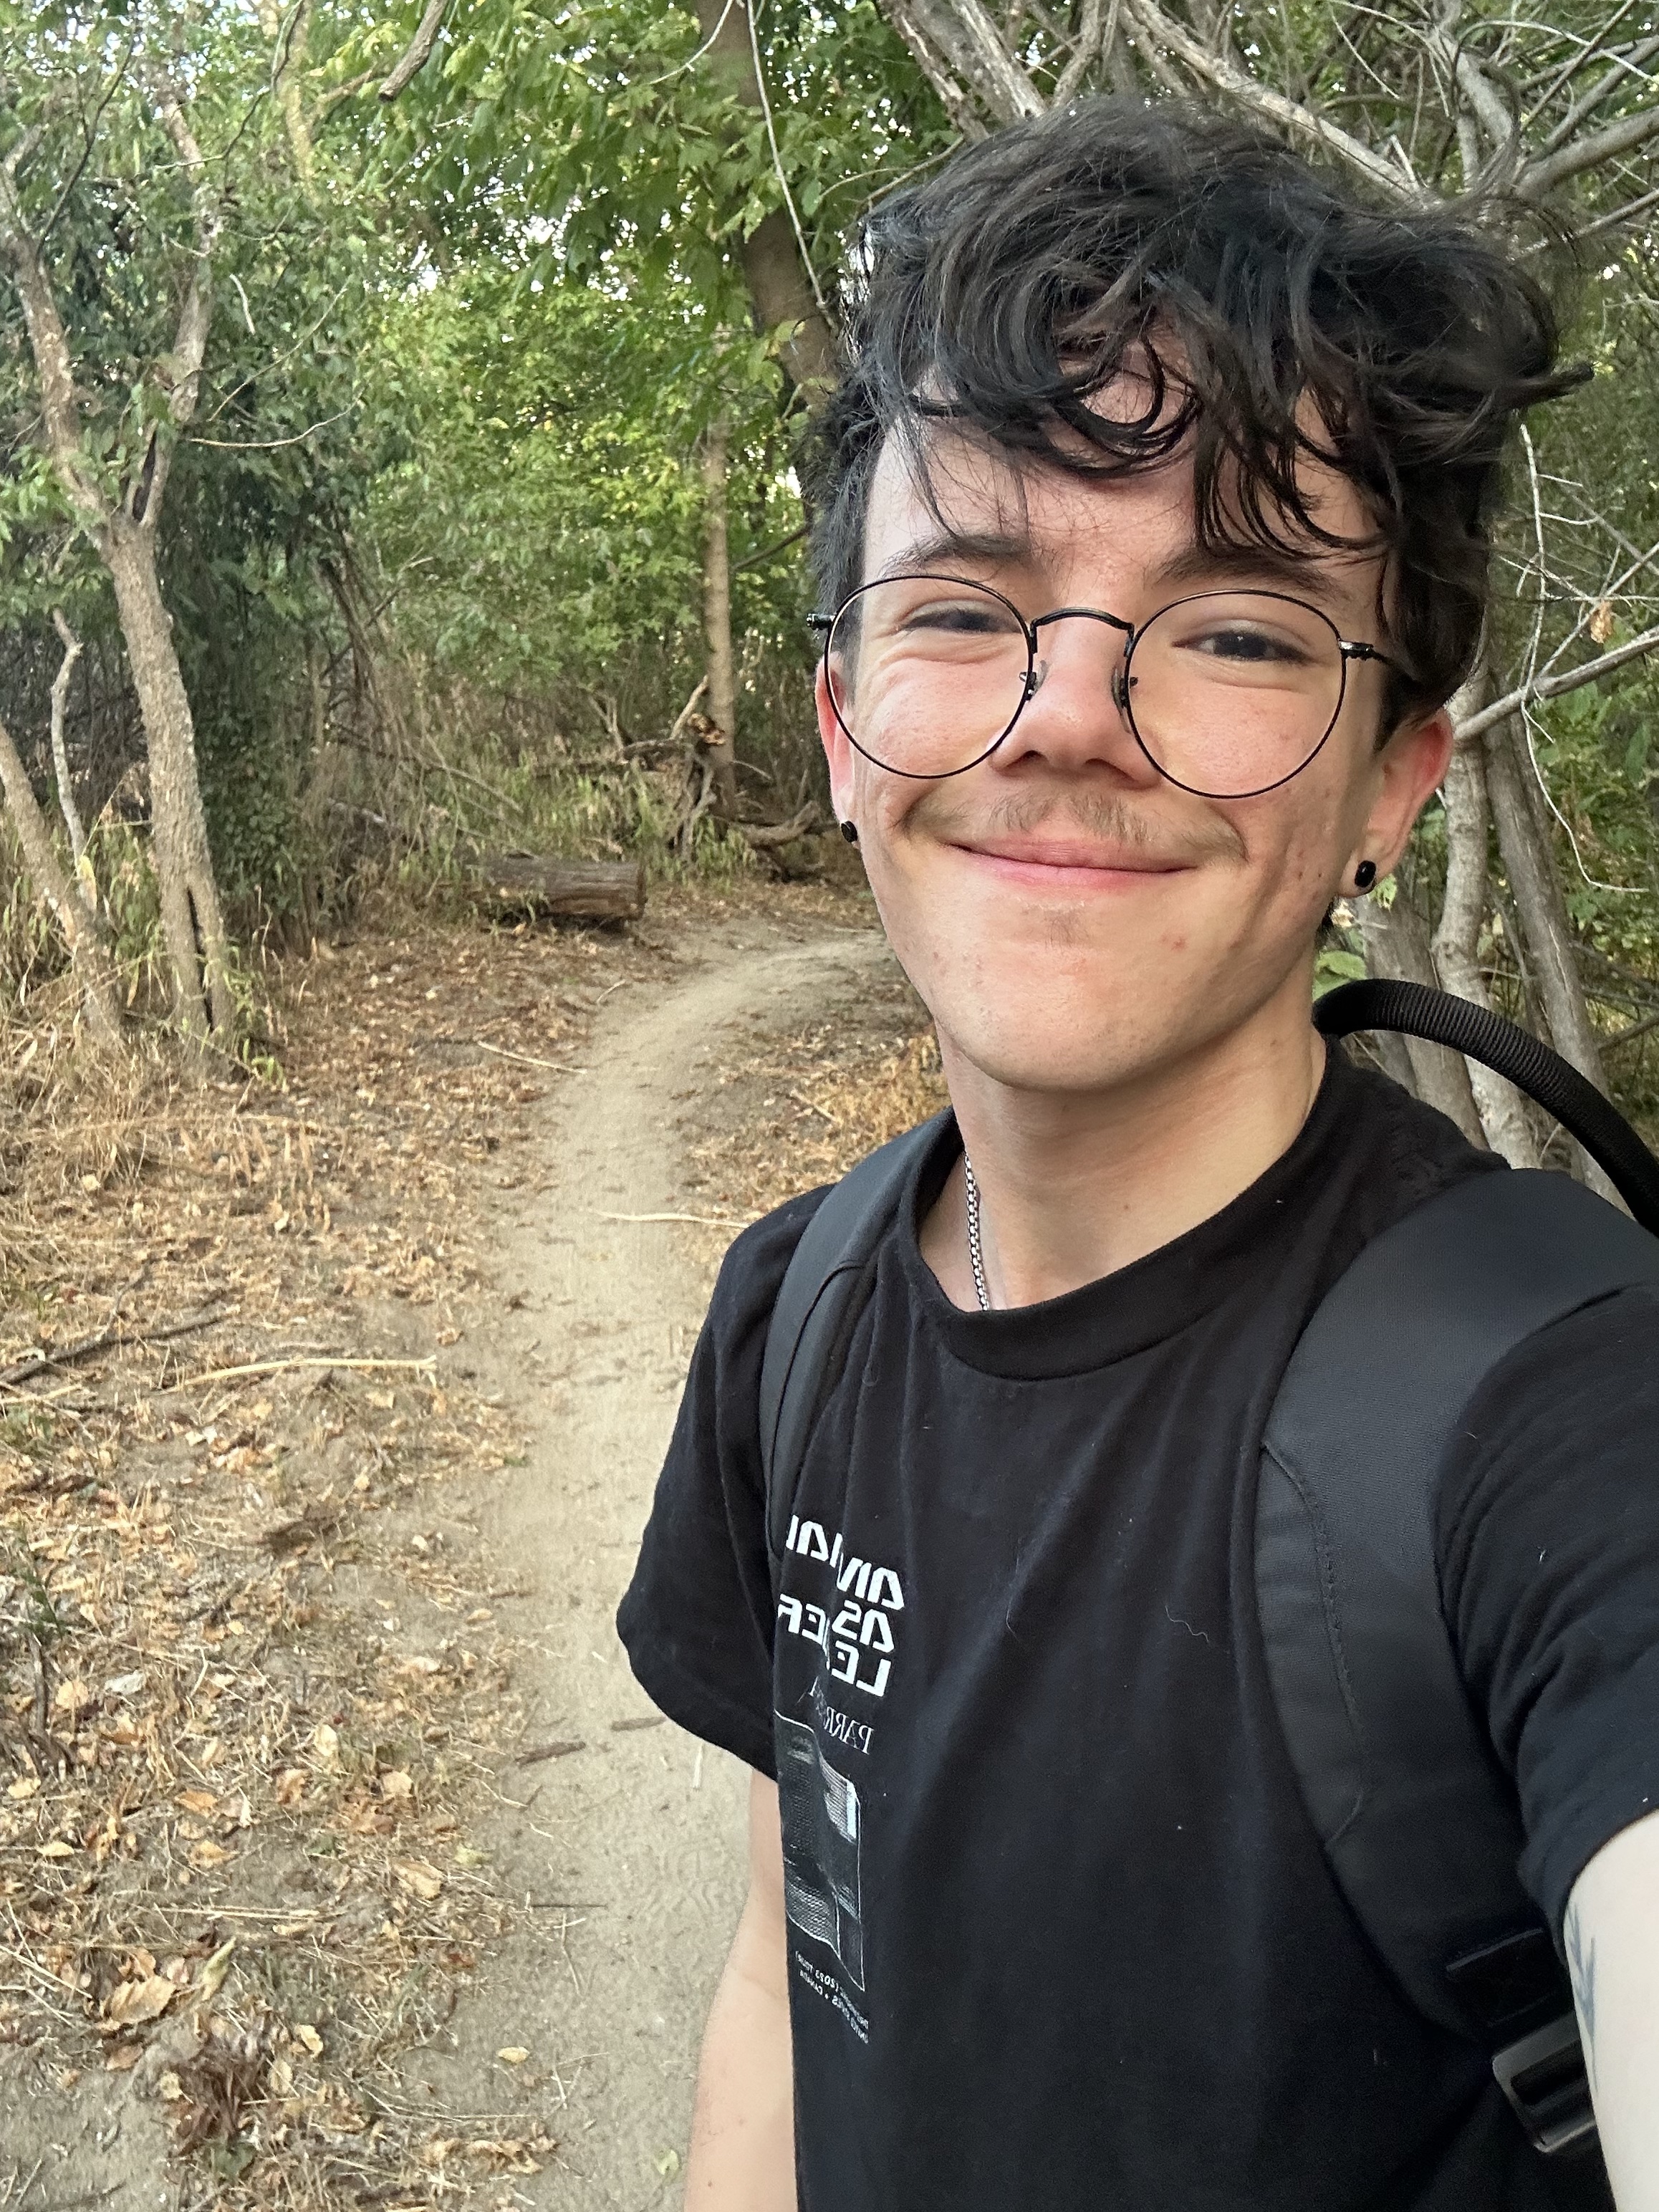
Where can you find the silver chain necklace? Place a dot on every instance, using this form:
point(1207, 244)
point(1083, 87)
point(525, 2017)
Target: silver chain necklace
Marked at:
point(976, 1249)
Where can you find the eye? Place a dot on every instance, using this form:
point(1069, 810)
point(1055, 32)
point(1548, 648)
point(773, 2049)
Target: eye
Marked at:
point(1239, 643)
point(961, 618)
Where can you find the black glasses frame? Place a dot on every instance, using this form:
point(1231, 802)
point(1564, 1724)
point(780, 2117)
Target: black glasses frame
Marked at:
point(1348, 649)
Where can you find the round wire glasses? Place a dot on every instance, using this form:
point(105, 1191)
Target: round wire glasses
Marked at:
point(1228, 693)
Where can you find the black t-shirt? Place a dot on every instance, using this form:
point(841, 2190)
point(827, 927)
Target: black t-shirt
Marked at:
point(1062, 1935)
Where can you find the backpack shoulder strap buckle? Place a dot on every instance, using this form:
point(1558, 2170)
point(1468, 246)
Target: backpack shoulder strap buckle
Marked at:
point(1542, 2076)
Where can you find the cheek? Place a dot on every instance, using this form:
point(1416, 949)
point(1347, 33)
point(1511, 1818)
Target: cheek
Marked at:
point(1294, 854)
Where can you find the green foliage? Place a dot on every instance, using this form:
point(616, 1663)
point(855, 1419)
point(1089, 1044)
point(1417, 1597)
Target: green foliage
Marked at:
point(547, 517)
point(432, 541)
point(561, 135)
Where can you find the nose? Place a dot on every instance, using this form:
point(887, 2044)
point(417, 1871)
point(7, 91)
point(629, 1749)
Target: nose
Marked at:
point(1075, 717)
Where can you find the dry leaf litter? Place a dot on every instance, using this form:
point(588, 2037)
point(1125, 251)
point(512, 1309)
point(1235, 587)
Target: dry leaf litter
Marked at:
point(249, 1677)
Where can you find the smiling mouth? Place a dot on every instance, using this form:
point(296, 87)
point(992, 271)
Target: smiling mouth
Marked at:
point(1061, 860)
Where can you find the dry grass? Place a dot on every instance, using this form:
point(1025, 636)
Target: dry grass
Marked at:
point(806, 1106)
point(249, 1677)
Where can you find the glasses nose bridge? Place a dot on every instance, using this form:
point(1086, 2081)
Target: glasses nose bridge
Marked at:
point(1125, 629)
point(1082, 614)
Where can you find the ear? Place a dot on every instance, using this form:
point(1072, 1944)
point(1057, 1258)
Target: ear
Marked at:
point(1409, 769)
point(837, 747)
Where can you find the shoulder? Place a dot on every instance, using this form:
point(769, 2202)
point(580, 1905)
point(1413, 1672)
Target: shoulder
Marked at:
point(1418, 1150)
point(755, 1262)
point(858, 1213)
point(1573, 1408)
point(1379, 1154)
point(1547, 1541)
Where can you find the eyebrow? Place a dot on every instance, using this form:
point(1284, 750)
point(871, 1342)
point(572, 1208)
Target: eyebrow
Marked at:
point(1198, 564)
point(1194, 565)
point(1005, 549)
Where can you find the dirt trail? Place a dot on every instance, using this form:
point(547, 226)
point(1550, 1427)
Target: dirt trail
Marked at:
point(628, 1849)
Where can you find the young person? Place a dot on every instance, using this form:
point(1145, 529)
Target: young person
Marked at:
point(1153, 526)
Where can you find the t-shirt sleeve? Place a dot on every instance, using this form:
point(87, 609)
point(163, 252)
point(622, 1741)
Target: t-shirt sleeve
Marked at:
point(698, 1619)
point(1548, 1534)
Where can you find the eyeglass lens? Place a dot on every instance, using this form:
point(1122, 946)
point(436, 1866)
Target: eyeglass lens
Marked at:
point(1229, 692)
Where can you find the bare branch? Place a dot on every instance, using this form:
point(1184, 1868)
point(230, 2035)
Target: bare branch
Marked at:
point(64, 893)
point(49, 346)
point(60, 684)
point(1554, 687)
point(89, 140)
point(1018, 96)
point(1288, 114)
point(1485, 102)
point(269, 445)
point(190, 339)
point(782, 173)
point(1605, 86)
point(687, 711)
point(1455, 943)
point(1611, 221)
point(1557, 79)
point(329, 100)
point(1542, 177)
point(419, 52)
point(1156, 62)
point(936, 36)
point(145, 491)
point(1096, 34)
point(957, 102)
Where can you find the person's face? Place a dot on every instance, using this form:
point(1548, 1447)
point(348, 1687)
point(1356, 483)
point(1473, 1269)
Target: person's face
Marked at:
point(1071, 919)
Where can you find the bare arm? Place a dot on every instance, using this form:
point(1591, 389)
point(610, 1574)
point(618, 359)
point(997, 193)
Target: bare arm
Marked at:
point(743, 2132)
point(1612, 1933)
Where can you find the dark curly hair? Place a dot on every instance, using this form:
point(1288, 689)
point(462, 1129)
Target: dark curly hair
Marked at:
point(1024, 275)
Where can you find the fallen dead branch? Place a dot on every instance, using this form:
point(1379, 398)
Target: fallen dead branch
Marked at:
point(283, 1366)
point(767, 836)
point(703, 1220)
point(529, 1058)
point(109, 1340)
point(542, 1751)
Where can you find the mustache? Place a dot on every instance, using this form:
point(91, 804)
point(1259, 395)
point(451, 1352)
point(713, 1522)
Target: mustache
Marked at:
point(1105, 816)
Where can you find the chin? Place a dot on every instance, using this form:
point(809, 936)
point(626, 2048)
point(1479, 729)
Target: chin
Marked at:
point(1072, 1050)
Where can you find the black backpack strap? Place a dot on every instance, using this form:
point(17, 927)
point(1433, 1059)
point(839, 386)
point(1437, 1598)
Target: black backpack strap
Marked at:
point(825, 1288)
point(1419, 1822)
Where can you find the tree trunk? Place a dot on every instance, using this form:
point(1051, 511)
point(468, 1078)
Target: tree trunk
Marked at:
point(60, 686)
point(1456, 947)
point(780, 285)
point(782, 299)
point(193, 926)
point(717, 624)
point(289, 42)
point(1529, 863)
point(1397, 946)
point(64, 895)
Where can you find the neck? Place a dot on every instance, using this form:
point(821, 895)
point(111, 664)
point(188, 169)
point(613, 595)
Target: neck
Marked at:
point(1074, 1185)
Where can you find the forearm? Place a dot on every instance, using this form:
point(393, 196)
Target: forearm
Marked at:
point(743, 2131)
point(1612, 1948)
point(743, 2134)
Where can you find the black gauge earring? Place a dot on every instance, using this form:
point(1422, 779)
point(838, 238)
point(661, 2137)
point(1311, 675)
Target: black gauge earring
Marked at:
point(1365, 875)
point(850, 831)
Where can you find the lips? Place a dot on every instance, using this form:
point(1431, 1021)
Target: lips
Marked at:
point(1064, 860)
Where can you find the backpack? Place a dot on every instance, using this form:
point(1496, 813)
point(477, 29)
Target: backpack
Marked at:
point(1419, 1825)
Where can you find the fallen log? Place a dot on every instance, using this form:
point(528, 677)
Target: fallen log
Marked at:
point(767, 836)
point(580, 890)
